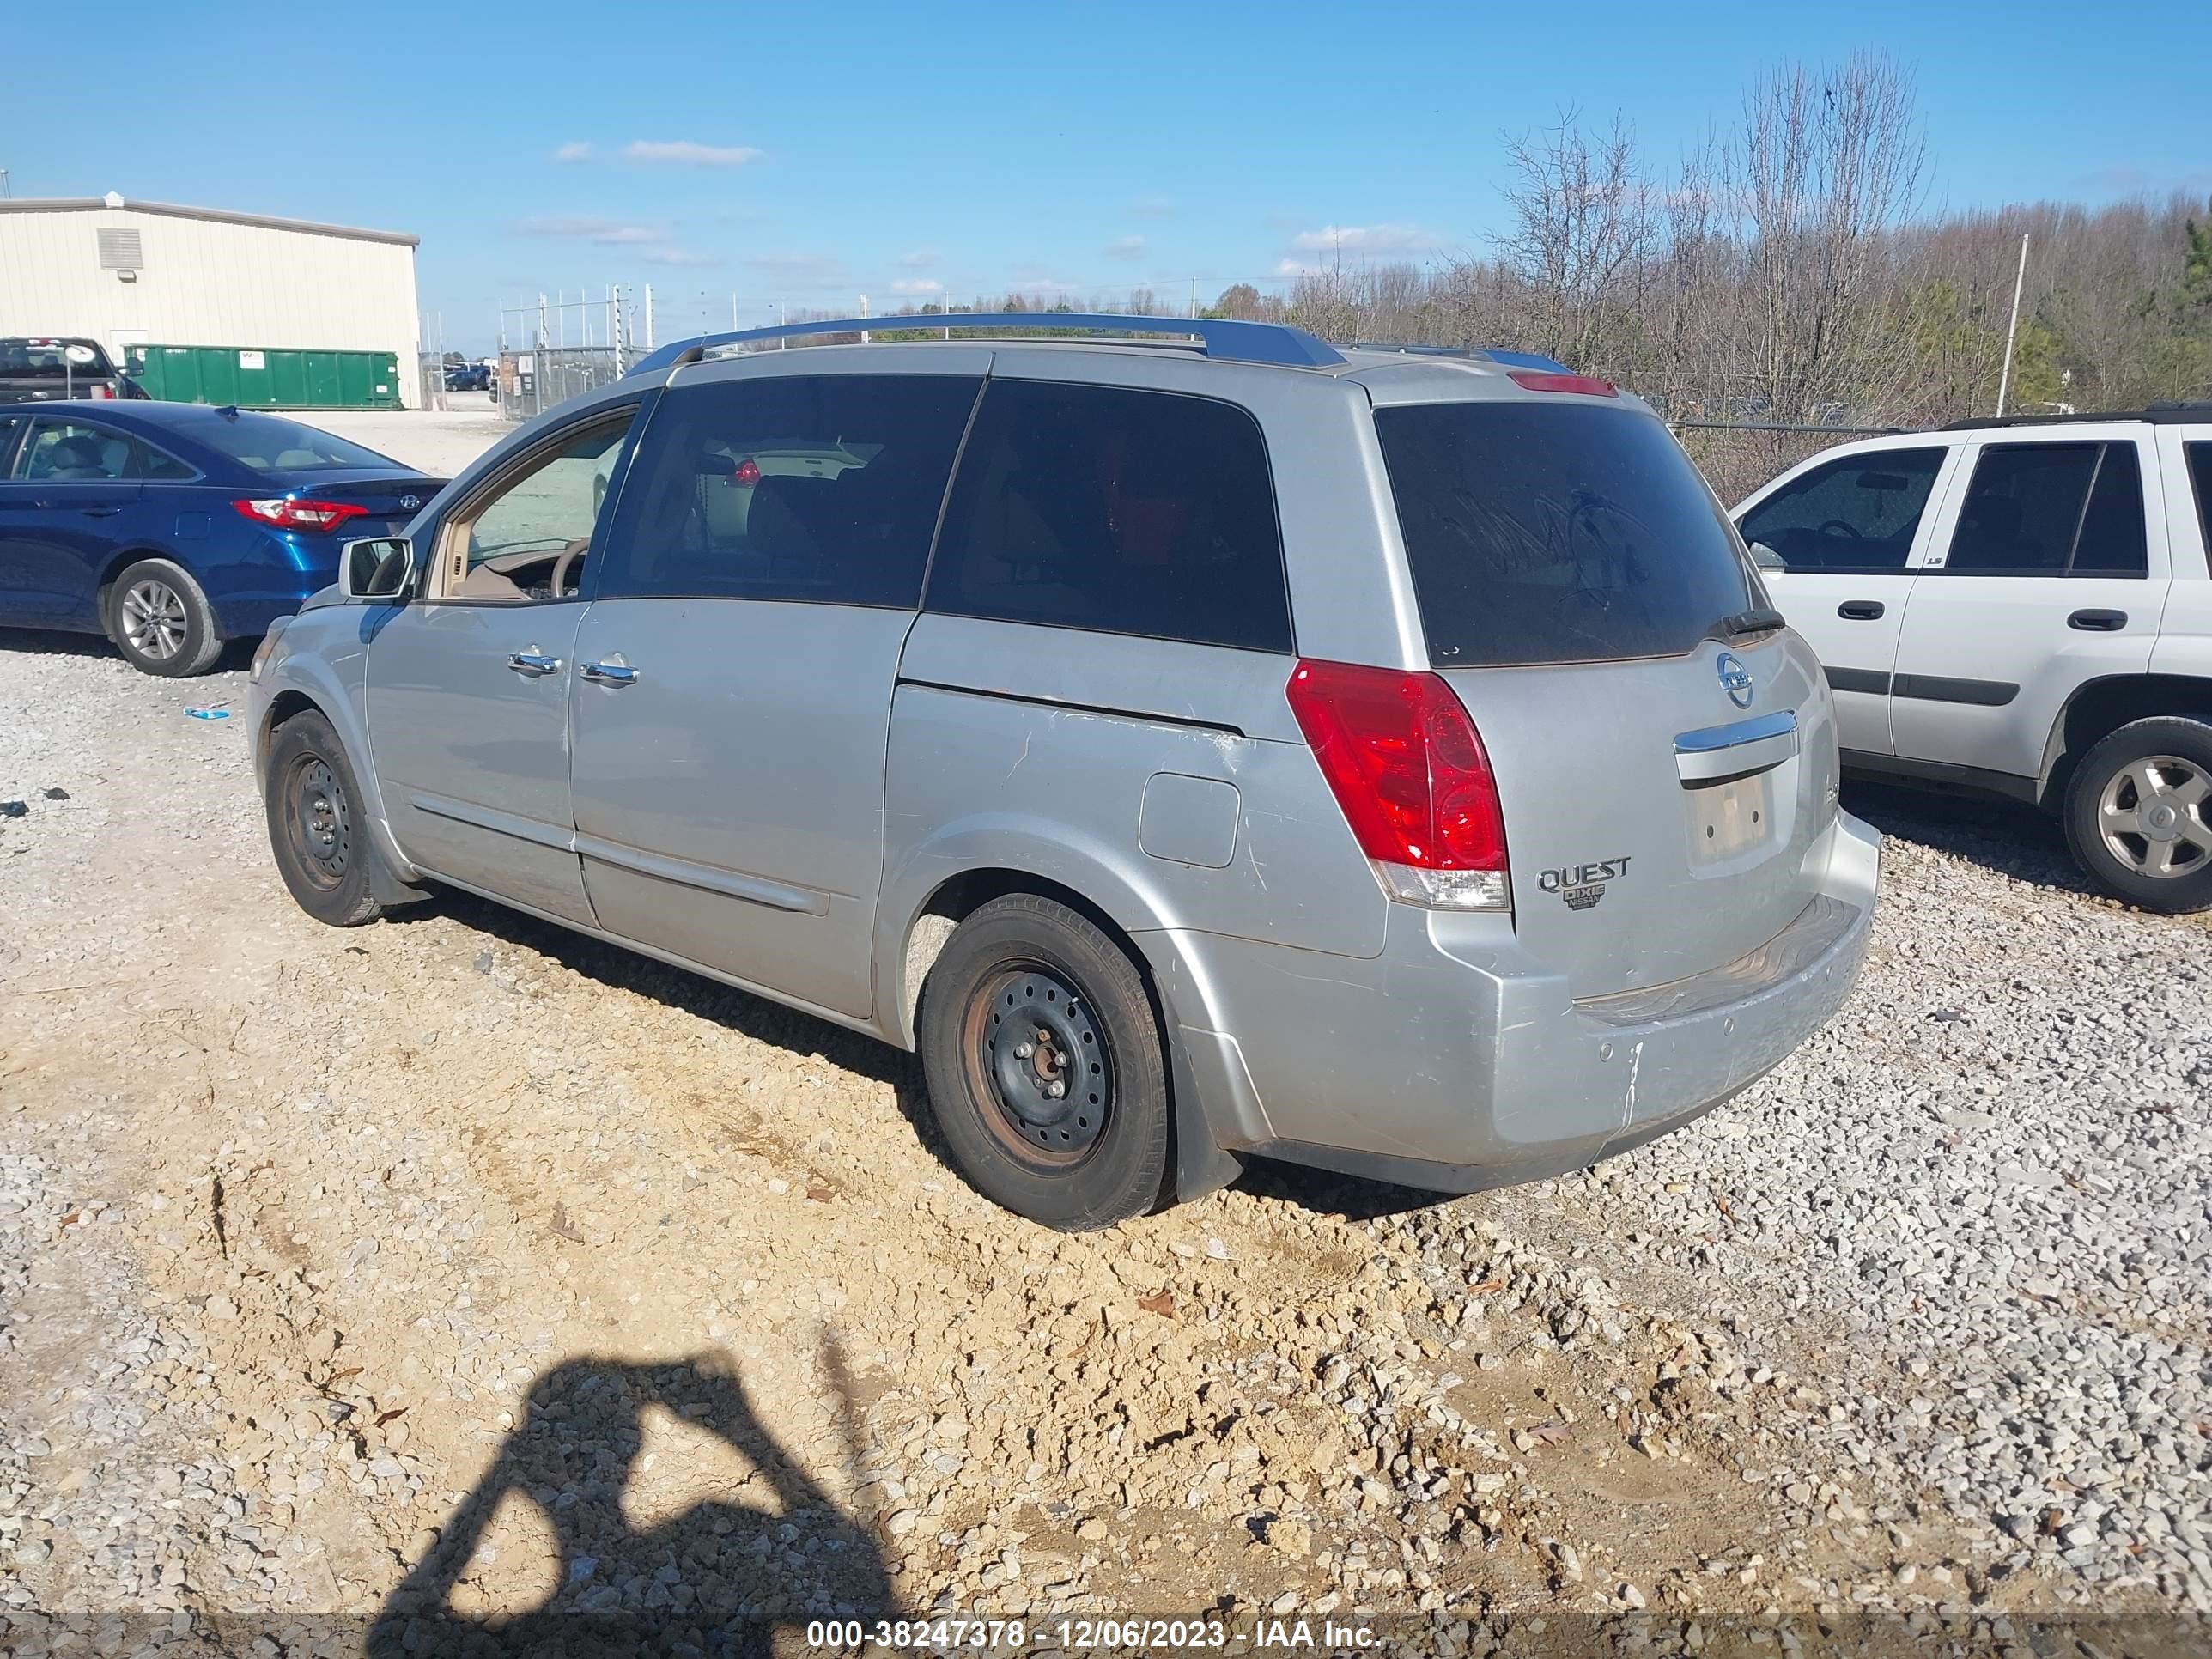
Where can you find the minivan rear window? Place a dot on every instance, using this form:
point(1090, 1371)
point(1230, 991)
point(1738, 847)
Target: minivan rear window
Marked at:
point(1551, 532)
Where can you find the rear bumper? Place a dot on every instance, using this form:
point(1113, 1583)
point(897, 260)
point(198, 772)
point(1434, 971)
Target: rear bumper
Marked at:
point(1456, 1061)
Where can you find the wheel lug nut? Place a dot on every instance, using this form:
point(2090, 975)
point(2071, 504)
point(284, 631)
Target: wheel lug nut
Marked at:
point(1057, 1090)
point(1023, 1050)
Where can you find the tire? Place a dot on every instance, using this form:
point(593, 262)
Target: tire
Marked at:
point(316, 828)
point(1096, 1153)
point(2138, 801)
point(160, 622)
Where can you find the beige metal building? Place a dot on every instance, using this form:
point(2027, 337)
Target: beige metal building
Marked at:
point(136, 273)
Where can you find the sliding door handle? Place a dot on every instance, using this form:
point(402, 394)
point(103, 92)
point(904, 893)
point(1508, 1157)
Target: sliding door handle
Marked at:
point(1860, 609)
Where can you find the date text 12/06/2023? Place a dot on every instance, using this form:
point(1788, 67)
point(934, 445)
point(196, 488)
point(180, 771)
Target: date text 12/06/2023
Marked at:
point(1086, 1635)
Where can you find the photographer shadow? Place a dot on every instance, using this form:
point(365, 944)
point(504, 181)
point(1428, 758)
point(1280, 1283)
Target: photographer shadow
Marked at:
point(721, 1578)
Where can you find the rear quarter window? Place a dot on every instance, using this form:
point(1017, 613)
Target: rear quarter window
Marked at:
point(1552, 532)
point(2200, 476)
point(1121, 511)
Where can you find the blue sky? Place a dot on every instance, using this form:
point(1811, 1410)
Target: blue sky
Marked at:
point(806, 157)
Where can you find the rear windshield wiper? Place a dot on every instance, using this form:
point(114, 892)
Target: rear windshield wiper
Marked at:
point(1741, 624)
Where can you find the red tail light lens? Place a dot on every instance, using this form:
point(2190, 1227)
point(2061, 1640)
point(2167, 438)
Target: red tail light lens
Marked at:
point(1410, 773)
point(748, 471)
point(101, 389)
point(1537, 380)
point(287, 513)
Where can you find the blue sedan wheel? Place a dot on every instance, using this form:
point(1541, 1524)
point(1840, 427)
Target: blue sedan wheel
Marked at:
point(161, 621)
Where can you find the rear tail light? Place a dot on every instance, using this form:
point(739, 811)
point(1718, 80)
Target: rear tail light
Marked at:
point(1410, 773)
point(286, 513)
point(747, 472)
point(1537, 380)
point(101, 389)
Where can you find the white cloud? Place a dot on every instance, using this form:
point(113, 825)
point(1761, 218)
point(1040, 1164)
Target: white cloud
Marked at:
point(1126, 248)
point(574, 151)
point(917, 285)
point(678, 256)
point(689, 152)
point(604, 231)
point(1366, 239)
point(921, 259)
point(1153, 207)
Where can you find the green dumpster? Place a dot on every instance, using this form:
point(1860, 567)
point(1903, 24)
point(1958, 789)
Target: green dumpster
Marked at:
point(267, 377)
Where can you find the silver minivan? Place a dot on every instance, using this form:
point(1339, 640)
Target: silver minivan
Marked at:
point(1198, 748)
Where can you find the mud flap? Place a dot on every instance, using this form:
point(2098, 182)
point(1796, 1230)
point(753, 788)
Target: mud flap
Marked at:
point(385, 885)
point(1201, 1164)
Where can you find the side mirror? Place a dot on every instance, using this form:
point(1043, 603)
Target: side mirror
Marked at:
point(376, 567)
point(1766, 558)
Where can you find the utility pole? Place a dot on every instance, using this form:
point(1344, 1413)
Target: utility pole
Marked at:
point(649, 316)
point(2020, 278)
point(1194, 299)
point(864, 312)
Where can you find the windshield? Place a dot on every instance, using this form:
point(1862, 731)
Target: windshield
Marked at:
point(1550, 532)
point(42, 359)
point(269, 443)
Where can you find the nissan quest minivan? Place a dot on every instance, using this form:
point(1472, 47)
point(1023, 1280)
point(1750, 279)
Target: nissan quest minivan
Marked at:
point(1197, 748)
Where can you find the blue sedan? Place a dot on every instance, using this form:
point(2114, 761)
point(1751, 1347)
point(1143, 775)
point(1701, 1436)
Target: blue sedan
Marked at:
point(174, 528)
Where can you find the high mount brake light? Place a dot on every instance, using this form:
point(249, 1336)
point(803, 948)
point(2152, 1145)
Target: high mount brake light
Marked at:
point(289, 513)
point(1410, 773)
point(1536, 380)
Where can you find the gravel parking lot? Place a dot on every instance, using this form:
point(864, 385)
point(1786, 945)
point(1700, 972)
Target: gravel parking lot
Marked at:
point(374, 1284)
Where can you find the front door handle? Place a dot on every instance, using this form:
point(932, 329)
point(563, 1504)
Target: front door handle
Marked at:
point(534, 663)
point(100, 512)
point(1860, 609)
point(609, 673)
point(2098, 622)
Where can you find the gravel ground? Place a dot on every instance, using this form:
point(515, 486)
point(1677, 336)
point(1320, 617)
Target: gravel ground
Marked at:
point(378, 1287)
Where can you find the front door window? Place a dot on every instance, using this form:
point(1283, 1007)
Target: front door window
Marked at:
point(1859, 513)
point(531, 537)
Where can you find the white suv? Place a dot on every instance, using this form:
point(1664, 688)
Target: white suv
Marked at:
point(2022, 607)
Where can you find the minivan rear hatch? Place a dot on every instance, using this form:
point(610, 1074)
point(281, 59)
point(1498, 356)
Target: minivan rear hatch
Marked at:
point(1664, 756)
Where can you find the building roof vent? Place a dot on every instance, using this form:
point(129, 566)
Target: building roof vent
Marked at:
point(114, 199)
point(119, 251)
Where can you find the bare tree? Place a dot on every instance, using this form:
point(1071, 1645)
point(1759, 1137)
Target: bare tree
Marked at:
point(1826, 165)
point(1585, 238)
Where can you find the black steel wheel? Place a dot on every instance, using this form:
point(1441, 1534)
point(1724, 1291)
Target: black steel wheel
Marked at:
point(1045, 1065)
point(315, 827)
point(1037, 1054)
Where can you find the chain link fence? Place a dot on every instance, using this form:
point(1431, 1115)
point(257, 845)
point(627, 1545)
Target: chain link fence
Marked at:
point(560, 348)
point(530, 382)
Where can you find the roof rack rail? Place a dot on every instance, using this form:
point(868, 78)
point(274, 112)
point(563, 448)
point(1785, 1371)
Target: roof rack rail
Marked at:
point(2163, 414)
point(1489, 354)
point(1229, 341)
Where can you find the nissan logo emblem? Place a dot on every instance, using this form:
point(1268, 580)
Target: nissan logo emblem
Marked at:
point(1736, 678)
